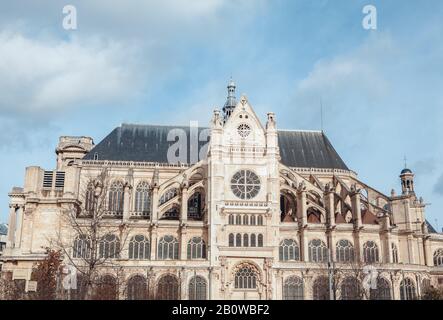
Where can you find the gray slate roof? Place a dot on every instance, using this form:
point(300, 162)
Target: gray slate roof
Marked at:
point(149, 143)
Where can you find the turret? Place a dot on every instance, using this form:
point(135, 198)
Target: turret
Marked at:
point(231, 101)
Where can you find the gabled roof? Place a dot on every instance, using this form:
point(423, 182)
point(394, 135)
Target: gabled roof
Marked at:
point(149, 143)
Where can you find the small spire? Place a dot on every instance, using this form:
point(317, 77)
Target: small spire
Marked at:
point(231, 101)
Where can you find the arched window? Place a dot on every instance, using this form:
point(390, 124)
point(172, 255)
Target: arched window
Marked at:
point(167, 288)
point(116, 196)
point(80, 292)
point(238, 219)
point(245, 219)
point(394, 253)
point(407, 290)
point(321, 288)
point(245, 240)
point(350, 289)
point(90, 199)
point(195, 207)
point(382, 292)
point(344, 251)
point(260, 220)
point(260, 240)
point(231, 239)
point(139, 248)
point(137, 288)
point(167, 248)
point(168, 195)
point(425, 285)
point(438, 258)
point(142, 200)
point(253, 222)
point(289, 250)
point(293, 288)
point(245, 278)
point(82, 247)
point(253, 240)
point(197, 288)
point(238, 240)
point(109, 246)
point(370, 252)
point(231, 219)
point(318, 252)
point(196, 248)
point(106, 288)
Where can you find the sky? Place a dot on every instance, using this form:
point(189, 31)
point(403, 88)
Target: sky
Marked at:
point(169, 61)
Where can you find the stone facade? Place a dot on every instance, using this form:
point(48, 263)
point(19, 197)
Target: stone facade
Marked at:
point(237, 224)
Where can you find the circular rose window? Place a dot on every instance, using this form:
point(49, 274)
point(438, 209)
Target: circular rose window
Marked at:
point(245, 184)
point(244, 130)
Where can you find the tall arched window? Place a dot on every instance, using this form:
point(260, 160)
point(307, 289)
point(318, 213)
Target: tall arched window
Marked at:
point(196, 248)
point(106, 288)
point(116, 196)
point(350, 289)
point(344, 251)
point(260, 220)
point(383, 290)
point(260, 240)
point(438, 258)
point(293, 288)
point(142, 200)
point(197, 288)
point(167, 288)
point(167, 248)
point(253, 222)
point(80, 292)
point(137, 288)
point(231, 219)
point(407, 290)
point(231, 239)
point(238, 219)
point(139, 248)
point(370, 252)
point(90, 199)
point(82, 247)
point(394, 253)
point(321, 288)
point(289, 250)
point(253, 240)
point(195, 207)
point(109, 246)
point(318, 251)
point(245, 278)
point(238, 240)
point(245, 240)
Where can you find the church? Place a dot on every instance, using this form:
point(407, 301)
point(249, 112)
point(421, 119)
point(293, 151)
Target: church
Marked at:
point(238, 210)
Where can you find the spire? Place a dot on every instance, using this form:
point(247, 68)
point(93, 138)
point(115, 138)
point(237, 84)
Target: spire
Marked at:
point(230, 100)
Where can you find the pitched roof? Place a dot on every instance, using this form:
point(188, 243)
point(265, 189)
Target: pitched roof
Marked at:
point(149, 143)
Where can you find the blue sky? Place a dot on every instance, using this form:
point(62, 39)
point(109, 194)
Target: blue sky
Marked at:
point(168, 62)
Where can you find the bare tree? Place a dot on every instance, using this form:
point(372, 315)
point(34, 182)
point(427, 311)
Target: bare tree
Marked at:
point(93, 235)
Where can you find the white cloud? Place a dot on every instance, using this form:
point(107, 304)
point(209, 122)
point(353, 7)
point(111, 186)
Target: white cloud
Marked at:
point(39, 76)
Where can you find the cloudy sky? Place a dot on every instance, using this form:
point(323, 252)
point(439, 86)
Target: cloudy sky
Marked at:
point(168, 62)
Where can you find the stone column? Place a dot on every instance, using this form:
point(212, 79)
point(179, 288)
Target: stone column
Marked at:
point(11, 226)
point(358, 246)
point(307, 287)
point(183, 242)
point(304, 245)
point(301, 207)
point(126, 203)
point(154, 205)
point(19, 222)
point(356, 209)
point(428, 255)
point(184, 206)
point(154, 241)
point(330, 208)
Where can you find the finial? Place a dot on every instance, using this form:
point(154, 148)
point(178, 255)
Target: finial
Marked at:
point(405, 159)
